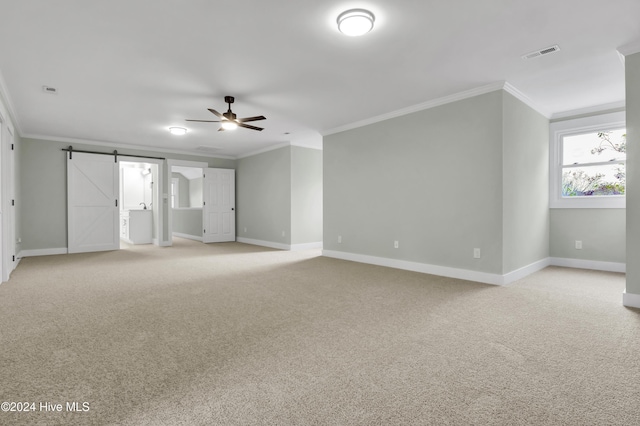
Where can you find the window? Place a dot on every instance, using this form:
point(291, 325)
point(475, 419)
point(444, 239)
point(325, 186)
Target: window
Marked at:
point(588, 162)
point(175, 192)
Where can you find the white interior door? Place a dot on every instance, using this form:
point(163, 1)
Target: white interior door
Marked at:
point(219, 203)
point(92, 196)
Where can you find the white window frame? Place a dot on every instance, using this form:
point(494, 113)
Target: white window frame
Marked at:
point(560, 129)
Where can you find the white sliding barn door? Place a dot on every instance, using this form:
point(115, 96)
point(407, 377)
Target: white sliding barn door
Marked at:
point(218, 211)
point(92, 197)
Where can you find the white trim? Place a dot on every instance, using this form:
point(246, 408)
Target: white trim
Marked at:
point(559, 129)
point(630, 48)
point(596, 109)
point(306, 246)
point(631, 300)
point(445, 271)
point(518, 274)
point(419, 107)
point(43, 252)
point(525, 99)
point(263, 150)
point(269, 244)
point(7, 105)
point(596, 265)
point(502, 85)
point(105, 144)
point(187, 236)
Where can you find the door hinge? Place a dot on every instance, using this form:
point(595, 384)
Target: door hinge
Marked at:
point(14, 258)
point(204, 203)
point(204, 231)
point(13, 202)
point(11, 147)
point(116, 203)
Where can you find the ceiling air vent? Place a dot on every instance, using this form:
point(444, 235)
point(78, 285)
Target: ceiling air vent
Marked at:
point(541, 52)
point(49, 89)
point(209, 149)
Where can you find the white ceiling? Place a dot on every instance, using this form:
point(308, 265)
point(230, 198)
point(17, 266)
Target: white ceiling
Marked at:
point(127, 70)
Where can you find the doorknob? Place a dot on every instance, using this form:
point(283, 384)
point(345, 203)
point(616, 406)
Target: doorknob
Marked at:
point(232, 209)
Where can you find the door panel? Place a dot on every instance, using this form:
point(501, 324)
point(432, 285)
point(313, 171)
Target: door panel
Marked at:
point(92, 211)
point(218, 211)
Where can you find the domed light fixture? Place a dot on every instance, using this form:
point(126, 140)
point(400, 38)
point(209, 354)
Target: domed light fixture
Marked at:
point(229, 125)
point(355, 22)
point(178, 131)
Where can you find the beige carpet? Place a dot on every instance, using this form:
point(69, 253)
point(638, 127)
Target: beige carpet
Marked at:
point(233, 334)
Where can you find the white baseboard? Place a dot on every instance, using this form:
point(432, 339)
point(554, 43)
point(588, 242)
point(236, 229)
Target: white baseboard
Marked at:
point(306, 246)
point(188, 237)
point(513, 276)
point(631, 300)
point(589, 264)
point(445, 271)
point(43, 252)
point(280, 246)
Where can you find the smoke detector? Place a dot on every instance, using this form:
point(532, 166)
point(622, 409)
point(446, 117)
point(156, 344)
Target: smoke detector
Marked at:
point(541, 52)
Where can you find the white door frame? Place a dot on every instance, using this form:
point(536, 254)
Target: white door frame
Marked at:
point(166, 195)
point(157, 192)
point(7, 176)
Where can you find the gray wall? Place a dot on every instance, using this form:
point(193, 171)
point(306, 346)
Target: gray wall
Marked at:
point(526, 185)
point(263, 200)
point(602, 232)
point(632, 65)
point(183, 189)
point(431, 180)
point(188, 221)
point(43, 189)
point(306, 195)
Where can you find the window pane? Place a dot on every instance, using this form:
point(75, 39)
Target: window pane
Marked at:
point(594, 147)
point(609, 179)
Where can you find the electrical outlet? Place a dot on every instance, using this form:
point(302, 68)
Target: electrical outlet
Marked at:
point(578, 245)
point(339, 239)
point(476, 253)
point(396, 244)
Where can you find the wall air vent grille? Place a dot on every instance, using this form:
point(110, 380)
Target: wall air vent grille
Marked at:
point(541, 52)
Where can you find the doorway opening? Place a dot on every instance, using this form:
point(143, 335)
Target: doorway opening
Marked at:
point(140, 212)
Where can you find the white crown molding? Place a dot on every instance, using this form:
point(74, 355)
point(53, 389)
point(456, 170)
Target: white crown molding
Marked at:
point(502, 85)
point(589, 110)
point(123, 146)
point(630, 48)
point(509, 88)
point(263, 150)
point(5, 100)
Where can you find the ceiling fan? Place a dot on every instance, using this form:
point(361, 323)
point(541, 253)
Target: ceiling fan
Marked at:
point(229, 121)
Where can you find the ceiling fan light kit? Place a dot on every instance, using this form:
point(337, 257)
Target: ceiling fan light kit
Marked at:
point(179, 131)
point(229, 120)
point(355, 22)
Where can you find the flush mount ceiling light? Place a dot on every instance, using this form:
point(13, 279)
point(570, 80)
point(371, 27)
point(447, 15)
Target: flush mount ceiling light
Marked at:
point(355, 22)
point(179, 131)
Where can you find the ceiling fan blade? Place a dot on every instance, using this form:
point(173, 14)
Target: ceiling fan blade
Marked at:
point(221, 129)
point(256, 118)
point(204, 121)
point(248, 126)
point(216, 113)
